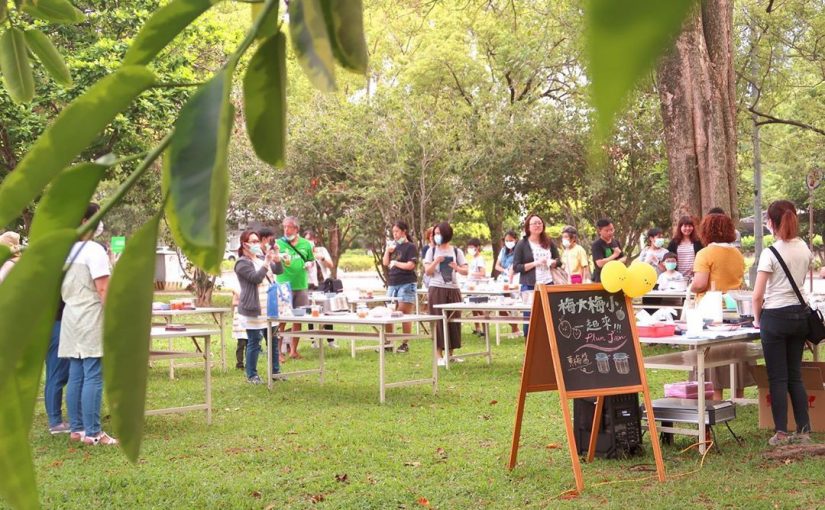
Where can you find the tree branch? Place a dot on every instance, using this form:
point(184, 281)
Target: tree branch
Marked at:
point(464, 94)
point(770, 119)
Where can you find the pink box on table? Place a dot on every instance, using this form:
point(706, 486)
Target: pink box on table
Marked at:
point(687, 389)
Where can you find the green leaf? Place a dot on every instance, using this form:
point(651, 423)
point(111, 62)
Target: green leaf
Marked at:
point(14, 63)
point(624, 41)
point(269, 26)
point(5, 253)
point(24, 340)
point(264, 90)
point(48, 55)
point(61, 12)
point(127, 326)
point(196, 176)
point(311, 43)
point(164, 25)
point(345, 26)
point(4, 11)
point(65, 202)
point(76, 126)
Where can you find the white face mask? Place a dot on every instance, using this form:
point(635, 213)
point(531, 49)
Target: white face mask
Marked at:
point(99, 229)
point(510, 244)
point(565, 243)
point(472, 251)
point(658, 242)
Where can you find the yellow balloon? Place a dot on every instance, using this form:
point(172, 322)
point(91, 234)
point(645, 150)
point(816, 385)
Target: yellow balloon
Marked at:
point(640, 280)
point(613, 276)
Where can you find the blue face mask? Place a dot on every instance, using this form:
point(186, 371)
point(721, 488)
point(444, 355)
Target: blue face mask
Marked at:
point(438, 239)
point(670, 266)
point(256, 250)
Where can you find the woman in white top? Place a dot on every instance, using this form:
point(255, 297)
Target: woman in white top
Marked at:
point(442, 264)
point(783, 321)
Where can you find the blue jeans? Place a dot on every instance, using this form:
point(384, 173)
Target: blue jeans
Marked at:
point(57, 374)
point(83, 395)
point(526, 314)
point(404, 292)
point(784, 331)
point(253, 349)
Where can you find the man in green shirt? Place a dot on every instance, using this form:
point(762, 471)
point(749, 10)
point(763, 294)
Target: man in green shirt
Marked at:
point(297, 257)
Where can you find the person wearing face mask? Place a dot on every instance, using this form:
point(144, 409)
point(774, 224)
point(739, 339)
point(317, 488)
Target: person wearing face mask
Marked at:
point(401, 257)
point(670, 274)
point(253, 267)
point(298, 260)
point(441, 265)
point(504, 261)
point(574, 259)
point(654, 251)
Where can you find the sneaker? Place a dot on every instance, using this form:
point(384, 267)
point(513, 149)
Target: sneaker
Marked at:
point(254, 380)
point(456, 359)
point(333, 345)
point(801, 438)
point(77, 436)
point(779, 439)
point(100, 439)
point(478, 333)
point(60, 428)
point(388, 347)
point(442, 362)
point(314, 344)
point(403, 348)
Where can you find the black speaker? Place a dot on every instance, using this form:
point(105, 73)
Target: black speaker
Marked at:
point(620, 434)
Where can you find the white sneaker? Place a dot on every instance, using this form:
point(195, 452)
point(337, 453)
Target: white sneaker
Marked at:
point(314, 344)
point(442, 362)
point(458, 360)
point(333, 345)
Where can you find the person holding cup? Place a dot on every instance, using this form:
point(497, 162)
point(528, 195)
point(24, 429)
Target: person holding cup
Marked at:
point(441, 264)
point(298, 259)
point(535, 255)
point(401, 257)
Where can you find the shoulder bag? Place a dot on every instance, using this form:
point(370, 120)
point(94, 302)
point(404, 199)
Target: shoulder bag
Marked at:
point(816, 325)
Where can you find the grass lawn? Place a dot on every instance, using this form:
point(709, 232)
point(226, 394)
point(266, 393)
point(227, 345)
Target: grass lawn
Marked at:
point(307, 445)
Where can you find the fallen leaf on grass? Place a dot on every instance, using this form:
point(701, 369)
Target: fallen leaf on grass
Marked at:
point(424, 502)
point(412, 463)
point(56, 464)
point(571, 494)
point(485, 416)
point(493, 402)
point(342, 478)
point(552, 446)
point(441, 452)
point(256, 494)
point(316, 498)
point(643, 468)
point(371, 480)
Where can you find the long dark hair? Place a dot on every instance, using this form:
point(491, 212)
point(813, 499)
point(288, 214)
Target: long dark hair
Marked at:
point(402, 226)
point(678, 236)
point(544, 241)
point(512, 234)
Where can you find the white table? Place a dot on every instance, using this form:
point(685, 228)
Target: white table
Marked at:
point(465, 292)
point(712, 349)
point(160, 333)
point(376, 334)
point(218, 315)
point(454, 313)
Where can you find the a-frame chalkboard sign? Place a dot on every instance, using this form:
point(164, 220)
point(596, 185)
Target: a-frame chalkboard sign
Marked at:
point(582, 342)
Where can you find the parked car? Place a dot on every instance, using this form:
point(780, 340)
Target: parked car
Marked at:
point(230, 255)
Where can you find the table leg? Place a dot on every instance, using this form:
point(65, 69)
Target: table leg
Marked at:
point(381, 390)
point(269, 352)
point(446, 330)
point(221, 317)
point(208, 369)
point(498, 335)
point(700, 379)
point(321, 343)
point(733, 381)
point(487, 344)
point(171, 361)
point(434, 325)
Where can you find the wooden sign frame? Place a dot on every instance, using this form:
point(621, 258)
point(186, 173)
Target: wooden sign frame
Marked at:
point(543, 372)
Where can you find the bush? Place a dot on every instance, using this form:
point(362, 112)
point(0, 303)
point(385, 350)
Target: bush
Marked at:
point(356, 260)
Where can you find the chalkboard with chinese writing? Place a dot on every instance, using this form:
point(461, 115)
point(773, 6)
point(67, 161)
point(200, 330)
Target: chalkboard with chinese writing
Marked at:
point(594, 339)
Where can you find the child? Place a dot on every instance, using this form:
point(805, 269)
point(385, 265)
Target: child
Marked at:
point(670, 274)
point(605, 249)
point(477, 271)
point(574, 259)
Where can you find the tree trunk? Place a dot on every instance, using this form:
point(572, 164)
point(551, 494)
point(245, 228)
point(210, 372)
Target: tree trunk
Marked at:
point(696, 89)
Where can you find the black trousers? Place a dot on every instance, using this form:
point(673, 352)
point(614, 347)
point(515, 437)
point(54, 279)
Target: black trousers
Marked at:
point(784, 331)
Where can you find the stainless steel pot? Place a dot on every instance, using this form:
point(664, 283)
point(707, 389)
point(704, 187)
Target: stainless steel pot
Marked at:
point(333, 303)
point(744, 302)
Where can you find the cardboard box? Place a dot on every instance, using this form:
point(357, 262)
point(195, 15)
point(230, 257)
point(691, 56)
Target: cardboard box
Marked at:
point(813, 378)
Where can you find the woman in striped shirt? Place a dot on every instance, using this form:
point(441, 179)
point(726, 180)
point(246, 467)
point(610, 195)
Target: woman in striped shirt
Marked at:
point(685, 244)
